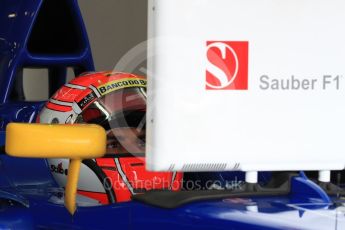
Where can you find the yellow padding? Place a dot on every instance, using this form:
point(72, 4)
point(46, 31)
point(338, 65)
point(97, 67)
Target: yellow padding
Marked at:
point(55, 141)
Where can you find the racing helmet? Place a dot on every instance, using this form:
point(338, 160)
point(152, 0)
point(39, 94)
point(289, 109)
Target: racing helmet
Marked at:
point(117, 102)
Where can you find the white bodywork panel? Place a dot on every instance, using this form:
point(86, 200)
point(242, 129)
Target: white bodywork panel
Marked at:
point(263, 127)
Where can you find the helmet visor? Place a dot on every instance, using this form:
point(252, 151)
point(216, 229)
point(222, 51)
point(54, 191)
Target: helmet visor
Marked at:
point(123, 115)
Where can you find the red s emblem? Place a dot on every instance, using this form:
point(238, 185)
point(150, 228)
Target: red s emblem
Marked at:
point(227, 65)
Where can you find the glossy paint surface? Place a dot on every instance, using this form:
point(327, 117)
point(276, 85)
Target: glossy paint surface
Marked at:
point(297, 211)
point(17, 20)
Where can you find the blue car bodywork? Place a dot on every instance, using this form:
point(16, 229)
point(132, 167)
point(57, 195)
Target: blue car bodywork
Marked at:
point(30, 199)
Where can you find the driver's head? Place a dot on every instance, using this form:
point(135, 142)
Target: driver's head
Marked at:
point(117, 102)
point(122, 114)
point(126, 140)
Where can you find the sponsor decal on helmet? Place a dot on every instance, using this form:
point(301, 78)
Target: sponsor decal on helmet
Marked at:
point(120, 84)
point(58, 169)
point(86, 100)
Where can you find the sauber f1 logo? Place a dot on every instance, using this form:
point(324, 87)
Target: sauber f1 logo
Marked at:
point(227, 65)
